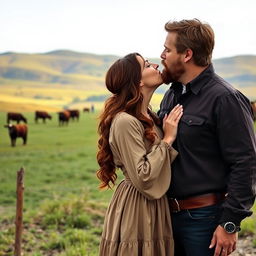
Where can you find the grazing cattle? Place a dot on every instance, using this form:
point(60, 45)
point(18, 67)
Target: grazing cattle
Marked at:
point(15, 117)
point(253, 104)
point(74, 114)
point(63, 117)
point(42, 115)
point(17, 131)
point(86, 110)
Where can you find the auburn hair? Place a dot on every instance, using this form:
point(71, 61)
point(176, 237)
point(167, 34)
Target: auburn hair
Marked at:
point(122, 80)
point(194, 35)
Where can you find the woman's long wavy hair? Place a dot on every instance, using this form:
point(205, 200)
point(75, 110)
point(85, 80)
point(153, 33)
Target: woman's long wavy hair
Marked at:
point(122, 80)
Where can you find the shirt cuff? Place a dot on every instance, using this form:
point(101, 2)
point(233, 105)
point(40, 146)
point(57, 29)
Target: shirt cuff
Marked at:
point(228, 215)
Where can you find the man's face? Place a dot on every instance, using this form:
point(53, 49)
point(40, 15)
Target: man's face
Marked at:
point(171, 60)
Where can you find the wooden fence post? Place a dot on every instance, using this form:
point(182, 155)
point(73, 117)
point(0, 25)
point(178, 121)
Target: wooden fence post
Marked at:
point(19, 212)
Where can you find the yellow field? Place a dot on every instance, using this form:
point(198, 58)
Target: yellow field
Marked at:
point(10, 100)
point(54, 98)
point(19, 107)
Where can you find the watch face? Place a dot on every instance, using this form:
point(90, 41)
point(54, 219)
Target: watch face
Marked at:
point(230, 227)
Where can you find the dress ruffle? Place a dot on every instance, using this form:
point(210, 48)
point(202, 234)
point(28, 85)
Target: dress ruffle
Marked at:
point(163, 247)
point(136, 226)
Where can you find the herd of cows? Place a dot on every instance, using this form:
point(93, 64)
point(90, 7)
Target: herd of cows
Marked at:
point(20, 130)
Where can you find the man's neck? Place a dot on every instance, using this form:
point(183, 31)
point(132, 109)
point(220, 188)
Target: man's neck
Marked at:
point(191, 73)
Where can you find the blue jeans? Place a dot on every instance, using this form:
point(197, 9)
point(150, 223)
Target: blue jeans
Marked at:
point(193, 230)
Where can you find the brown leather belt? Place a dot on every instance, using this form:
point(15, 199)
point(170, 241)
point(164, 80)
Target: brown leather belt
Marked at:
point(195, 202)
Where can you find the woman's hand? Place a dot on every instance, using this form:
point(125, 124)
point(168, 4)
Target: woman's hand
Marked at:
point(170, 124)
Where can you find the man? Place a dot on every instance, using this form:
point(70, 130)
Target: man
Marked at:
point(213, 179)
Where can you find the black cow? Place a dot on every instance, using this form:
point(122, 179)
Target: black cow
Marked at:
point(42, 115)
point(15, 117)
point(17, 131)
point(86, 110)
point(74, 114)
point(63, 117)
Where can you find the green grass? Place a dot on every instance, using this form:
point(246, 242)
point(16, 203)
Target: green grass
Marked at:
point(69, 226)
point(57, 160)
point(60, 163)
point(63, 207)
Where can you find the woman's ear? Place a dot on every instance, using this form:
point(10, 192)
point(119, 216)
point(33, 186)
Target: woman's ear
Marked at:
point(141, 83)
point(188, 55)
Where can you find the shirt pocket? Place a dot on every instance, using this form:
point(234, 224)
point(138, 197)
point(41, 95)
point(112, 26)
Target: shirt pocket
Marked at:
point(192, 120)
point(191, 129)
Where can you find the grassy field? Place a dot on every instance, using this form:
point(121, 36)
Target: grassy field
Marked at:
point(59, 163)
point(57, 159)
point(63, 208)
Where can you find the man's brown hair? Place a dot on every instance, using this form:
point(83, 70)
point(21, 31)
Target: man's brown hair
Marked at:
point(194, 35)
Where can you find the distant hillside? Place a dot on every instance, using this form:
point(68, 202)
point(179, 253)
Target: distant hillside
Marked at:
point(240, 70)
point(63, 78)
point(57, 67)
point(69, 67)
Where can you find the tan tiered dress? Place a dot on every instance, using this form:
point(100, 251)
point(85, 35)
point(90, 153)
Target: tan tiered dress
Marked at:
point(137, 222)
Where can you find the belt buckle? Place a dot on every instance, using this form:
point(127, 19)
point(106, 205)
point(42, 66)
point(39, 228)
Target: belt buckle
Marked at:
point(178, 206)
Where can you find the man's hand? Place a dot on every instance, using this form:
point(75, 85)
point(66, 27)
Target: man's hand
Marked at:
point(225, 243)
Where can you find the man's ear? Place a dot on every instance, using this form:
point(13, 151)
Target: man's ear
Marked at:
point(188, 55)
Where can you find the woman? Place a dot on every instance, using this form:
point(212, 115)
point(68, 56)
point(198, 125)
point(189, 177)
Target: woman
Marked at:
point(137, 222)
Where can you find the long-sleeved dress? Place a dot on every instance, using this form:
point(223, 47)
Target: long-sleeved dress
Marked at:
point(137, 222)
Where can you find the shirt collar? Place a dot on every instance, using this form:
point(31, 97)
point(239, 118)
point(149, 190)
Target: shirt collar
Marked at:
point(197, 83)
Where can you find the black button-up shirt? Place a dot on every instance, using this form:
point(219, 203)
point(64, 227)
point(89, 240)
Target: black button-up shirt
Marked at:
point(216, 143)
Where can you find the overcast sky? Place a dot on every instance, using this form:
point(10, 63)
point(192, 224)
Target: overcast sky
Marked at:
point(121, 26)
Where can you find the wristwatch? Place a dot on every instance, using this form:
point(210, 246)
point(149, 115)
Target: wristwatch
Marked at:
point(230, 227)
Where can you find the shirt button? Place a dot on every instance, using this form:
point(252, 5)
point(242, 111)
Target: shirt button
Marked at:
point(190, 121)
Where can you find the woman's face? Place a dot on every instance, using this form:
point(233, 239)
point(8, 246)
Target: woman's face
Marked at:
point(150, 75)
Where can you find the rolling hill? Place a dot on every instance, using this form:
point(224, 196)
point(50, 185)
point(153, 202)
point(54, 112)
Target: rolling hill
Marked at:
point(57, 67)
point(63, 78)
